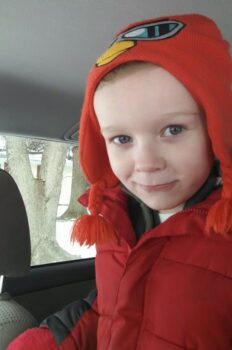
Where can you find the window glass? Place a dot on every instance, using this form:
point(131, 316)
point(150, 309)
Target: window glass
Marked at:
point(49, 178)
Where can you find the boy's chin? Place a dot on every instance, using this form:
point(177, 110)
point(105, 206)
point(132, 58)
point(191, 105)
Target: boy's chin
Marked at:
point(162, 203)
point(163, 207)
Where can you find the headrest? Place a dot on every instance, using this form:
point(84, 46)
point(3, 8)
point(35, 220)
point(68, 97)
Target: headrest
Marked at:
point(15, 248)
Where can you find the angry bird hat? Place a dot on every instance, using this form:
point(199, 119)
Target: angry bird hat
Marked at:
point(193, 50)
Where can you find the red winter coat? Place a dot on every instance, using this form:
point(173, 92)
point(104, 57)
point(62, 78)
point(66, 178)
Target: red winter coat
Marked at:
point(171, 290)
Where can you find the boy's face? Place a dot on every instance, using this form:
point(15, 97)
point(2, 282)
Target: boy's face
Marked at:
point(155, 137)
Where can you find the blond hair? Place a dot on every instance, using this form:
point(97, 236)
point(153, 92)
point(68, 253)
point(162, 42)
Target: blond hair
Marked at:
point(123, 70)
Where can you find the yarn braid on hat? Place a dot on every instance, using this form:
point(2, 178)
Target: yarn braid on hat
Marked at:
point(193, 50)
point(220, 216)
point(93, 228)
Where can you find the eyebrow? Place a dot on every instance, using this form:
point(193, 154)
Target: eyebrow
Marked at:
point(109, 129)
point(168, 115)
point(181, 113)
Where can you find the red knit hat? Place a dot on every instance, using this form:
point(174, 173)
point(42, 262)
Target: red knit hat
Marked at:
point(192, 49)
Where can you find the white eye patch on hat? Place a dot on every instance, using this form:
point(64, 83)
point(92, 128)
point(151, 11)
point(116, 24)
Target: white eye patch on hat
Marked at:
point(153, 31)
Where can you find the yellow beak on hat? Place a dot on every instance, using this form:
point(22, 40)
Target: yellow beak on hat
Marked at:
point(114, 51)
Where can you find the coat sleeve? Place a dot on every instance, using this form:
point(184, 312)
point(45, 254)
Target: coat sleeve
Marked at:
point(73, 328)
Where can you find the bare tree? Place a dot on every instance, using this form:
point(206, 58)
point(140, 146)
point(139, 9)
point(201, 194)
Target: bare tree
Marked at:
point(41, 194)
point(79, 185)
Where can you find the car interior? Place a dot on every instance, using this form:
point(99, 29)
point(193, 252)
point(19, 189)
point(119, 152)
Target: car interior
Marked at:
point(47, 50)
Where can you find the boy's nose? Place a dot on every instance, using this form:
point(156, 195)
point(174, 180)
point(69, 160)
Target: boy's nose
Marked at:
point(149, 159)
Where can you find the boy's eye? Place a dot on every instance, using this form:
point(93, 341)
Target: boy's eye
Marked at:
point(121, 139)
point(173, 130)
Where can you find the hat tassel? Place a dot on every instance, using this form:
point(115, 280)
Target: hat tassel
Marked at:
point(219, 218)
point(94, 228)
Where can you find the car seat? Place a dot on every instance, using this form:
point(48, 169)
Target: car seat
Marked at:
point(15, 255)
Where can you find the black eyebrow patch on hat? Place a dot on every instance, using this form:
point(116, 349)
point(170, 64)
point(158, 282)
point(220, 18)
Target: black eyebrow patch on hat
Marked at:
point(153, 31)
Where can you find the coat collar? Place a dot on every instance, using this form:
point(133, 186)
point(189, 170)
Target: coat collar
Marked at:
point(190, 221)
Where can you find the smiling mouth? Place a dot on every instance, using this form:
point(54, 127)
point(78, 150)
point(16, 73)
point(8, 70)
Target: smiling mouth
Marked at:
point(158, 188)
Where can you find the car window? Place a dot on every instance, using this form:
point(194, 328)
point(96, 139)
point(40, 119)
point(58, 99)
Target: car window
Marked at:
point(49, 178)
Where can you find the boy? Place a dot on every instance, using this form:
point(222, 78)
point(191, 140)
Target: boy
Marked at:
point(156, 116)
